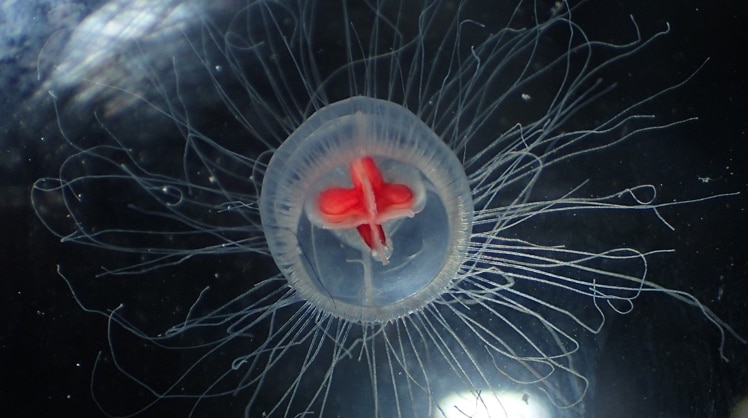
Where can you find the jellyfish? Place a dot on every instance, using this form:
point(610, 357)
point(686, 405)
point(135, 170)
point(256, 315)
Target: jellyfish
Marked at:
point(358, 208)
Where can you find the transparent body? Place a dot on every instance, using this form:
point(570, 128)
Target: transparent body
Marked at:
point(334, 269)
point(198, 166)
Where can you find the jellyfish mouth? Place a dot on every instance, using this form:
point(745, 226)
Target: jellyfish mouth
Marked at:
point(367, 205)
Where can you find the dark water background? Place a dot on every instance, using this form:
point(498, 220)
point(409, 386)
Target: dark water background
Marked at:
point(659, 361)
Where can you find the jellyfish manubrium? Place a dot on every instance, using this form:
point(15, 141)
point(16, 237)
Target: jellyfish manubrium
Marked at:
point(369, 194)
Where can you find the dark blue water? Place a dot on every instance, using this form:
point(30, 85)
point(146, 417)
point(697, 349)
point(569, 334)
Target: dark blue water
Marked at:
point(660, 360)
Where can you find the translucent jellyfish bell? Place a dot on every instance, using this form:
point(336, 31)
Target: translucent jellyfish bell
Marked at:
point(333, 266)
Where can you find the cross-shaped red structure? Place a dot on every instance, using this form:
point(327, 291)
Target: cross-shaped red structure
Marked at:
point(367, 205)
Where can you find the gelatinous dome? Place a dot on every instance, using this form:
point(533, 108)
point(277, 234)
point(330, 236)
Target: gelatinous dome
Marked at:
point(333, 267)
